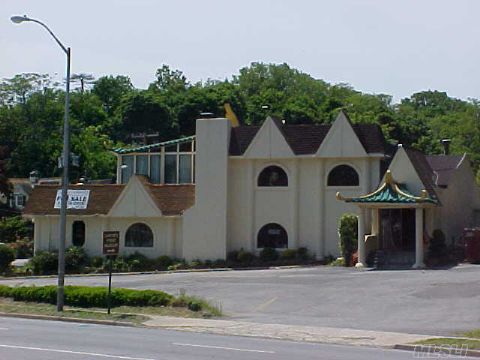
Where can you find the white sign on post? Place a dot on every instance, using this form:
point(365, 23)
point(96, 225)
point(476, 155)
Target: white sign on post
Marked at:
point(76, 199)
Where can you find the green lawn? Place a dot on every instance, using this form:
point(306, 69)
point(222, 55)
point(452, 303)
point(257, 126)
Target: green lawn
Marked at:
point(466, 339)
point(129, 314)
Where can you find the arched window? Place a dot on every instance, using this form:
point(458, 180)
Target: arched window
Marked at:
point(273, 236)
point(139, 235)
point(78, 233)
point(343, 175)
point(273, 176)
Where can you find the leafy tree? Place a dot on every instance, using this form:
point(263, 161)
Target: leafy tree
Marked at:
point(83, 80)
point(111, 89)
point(144, 111)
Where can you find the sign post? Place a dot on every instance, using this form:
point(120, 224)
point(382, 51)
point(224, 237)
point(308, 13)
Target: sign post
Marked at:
point(111, 247)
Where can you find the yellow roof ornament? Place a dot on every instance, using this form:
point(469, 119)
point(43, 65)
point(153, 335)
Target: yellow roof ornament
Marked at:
point(230, 115)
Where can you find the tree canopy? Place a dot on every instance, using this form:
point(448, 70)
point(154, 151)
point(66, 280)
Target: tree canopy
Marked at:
point(106, 113)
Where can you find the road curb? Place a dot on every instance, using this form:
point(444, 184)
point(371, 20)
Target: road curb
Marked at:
point(68, 319)
point(160, 272)
point(438, 351)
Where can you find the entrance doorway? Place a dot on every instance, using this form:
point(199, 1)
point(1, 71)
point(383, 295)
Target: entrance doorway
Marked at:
point(397, 229)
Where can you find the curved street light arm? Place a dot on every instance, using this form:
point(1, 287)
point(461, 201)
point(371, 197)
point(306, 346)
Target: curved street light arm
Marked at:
point(51, 33)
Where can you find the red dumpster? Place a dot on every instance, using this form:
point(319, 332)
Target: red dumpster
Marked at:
point(472, 245)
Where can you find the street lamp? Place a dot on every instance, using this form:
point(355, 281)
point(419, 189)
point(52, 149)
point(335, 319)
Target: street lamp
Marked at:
point(65, 157)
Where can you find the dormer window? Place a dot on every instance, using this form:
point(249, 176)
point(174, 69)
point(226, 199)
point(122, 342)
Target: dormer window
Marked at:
point(272, 176)
point(343, 175)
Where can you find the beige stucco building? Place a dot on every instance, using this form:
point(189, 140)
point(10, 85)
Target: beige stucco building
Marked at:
point(275, 185)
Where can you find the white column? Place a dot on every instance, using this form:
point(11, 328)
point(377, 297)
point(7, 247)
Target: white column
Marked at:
point(361, 238)
point(419, 264)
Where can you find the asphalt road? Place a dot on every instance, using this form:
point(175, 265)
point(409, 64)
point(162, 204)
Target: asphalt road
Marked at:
point(23, 339)
point(437, 302)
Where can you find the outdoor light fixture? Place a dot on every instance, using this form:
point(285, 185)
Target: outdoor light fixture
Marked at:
point(66, 157)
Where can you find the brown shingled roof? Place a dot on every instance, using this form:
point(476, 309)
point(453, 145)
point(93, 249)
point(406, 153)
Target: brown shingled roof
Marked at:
point(444, 166)
point(306, 139)
point(102, 198)
point(423, 169)
point(170, 199)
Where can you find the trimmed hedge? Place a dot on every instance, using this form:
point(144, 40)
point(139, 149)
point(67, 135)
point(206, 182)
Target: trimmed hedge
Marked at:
point(84, 296)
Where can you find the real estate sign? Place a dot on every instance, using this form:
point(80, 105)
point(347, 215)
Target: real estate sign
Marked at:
point(111, 243)
point(76, 199)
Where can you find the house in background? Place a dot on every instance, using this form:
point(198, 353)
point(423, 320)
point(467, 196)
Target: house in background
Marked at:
point(22, 188)
point(233, 187)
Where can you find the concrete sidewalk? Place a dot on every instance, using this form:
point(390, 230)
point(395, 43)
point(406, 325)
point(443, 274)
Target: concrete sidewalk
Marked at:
point(286, 332)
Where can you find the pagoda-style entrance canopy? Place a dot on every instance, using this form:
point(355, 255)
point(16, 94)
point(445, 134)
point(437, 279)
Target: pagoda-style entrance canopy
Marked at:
point(401, 214)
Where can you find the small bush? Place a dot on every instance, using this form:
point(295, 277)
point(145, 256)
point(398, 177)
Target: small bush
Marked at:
point(44, 263)
point(219, 263)
point(5, 291)
point(268, 254)
point(196, 264)
point(163, 262)
point(75, 259)
point(14, 228)
point(178, 265)
point(120, 265)
point(194, 305)
point(232, 256)
point(7, 255)
point(437, 247)
point(288, 254)
point(23, 248)
point(303, 254)
point(139, 262)
point(97, 262)
point(348, 230)
point(245, 257)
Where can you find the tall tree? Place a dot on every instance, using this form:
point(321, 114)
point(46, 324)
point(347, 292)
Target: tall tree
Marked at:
point(111, 89)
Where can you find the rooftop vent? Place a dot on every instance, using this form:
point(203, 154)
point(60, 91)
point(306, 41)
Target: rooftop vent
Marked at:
point(446, 146)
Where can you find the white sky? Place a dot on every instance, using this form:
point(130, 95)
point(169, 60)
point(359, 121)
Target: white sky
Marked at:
point(396, 47)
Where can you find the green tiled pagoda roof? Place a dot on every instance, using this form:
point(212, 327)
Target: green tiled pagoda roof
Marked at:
point(145, 148)
point(390, 192)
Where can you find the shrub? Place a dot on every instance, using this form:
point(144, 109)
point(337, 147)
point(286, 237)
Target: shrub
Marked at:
point(348, 230)
point(97, 261)
point(5, 291)
point(437, 248)
point(232, 256)
point(44, 263)
point(194, 305)
point(245, 257)
point(178, 265)
point(288, 254)
point(119, 264)
point(139, 262)
point(15, 227)
point(7, 255)
point(23, 248)
point(75, 259)
point(268, 254)
point(196, 264)
point(219, 263)
point(303, 253)
point(163, 262)
point(83, 296)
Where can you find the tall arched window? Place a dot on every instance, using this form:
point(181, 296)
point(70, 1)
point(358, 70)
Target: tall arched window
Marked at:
point(139, 235)
point(273, 236)
point(273, 176)
point(343, 175)
point(78, 233)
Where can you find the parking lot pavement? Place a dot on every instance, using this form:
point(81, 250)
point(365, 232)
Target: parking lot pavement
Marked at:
point(412, 301)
